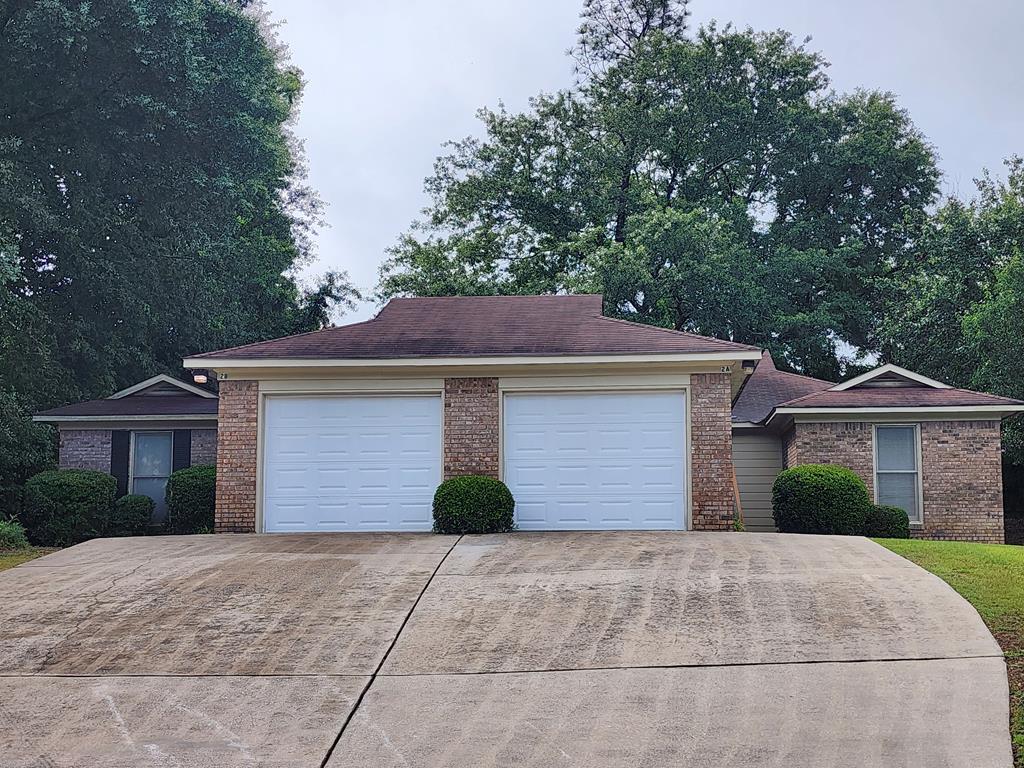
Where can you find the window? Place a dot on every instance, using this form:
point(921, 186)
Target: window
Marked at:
point(897, 470)
point(151, 466)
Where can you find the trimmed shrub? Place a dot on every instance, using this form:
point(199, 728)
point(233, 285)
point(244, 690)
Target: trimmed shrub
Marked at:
point(886, 522)
point(820, 498)
point(473, 504)
point(190, 499)
point(12, 535)
point(62, 507)
point(131, 516)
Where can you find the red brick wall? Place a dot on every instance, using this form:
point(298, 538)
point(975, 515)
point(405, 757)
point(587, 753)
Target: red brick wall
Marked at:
point(236, 457)
point(471, 431)
point(962, 480)
point(961, 472)
point(846, 443)
point(711, 469)
point(85, 449)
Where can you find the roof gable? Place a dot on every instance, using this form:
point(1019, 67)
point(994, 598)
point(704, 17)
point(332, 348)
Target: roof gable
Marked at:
point(890, 375)
point(161, 384)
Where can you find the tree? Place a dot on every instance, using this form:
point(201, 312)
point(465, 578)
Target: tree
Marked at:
point(955, 310)
point(711, 183)
point(152, 195)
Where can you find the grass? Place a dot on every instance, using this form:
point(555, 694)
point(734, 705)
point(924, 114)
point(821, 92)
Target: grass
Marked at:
point(11, 558)
point(991, 578)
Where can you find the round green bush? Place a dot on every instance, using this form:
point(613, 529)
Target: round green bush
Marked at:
point(473, 504)
point(131, 516)
point(191, 494)
point(887, 522)
point(62, 507)
point(12, 535)
point(820, 498)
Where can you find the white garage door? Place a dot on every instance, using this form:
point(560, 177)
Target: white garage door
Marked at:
point(596, 461)
point(351, 463)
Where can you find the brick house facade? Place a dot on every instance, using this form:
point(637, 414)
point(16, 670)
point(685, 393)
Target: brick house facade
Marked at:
point(471, 445)
point(960, 473)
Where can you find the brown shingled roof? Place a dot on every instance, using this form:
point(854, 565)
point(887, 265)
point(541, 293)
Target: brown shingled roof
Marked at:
point(485, 326)
point(165, 405)
point(897, 397)
point(767, 387)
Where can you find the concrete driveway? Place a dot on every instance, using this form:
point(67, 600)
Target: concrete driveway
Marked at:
point(545, 650)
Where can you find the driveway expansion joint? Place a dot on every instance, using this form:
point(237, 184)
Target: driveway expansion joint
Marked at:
point(384, 658)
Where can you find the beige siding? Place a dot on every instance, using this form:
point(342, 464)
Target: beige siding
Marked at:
point(757, 455)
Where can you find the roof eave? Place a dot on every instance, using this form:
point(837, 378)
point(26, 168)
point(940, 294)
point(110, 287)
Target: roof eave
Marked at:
point(999, 410)
point(106, 417)
point(462, 361)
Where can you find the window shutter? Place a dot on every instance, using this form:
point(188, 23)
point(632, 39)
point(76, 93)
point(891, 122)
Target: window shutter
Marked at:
point(181, 451)
point(120, 447)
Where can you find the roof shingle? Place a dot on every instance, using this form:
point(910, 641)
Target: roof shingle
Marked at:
point(767, 387)
point(483, 326)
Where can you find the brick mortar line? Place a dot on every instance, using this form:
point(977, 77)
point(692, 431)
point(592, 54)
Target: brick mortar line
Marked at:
point(384, 658)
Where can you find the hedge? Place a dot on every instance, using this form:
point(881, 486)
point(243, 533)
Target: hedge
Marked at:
point(62, 507)
point(886, 522)
point(190, 499)
point(131, 516)
point(473, 504)
point(820, 498)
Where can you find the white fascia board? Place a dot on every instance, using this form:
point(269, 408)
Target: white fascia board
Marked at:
point(993, 411)
point(436, 362)
point(161, 378)
point(890, 368)
point(746, 425)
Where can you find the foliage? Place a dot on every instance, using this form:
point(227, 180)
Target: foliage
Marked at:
point(190, 499)
point(473, 504)
point(12, 535)
point(131, 516)
point(26, 449)
point(152, 197)
point(709, 182)
point(66, 506)
point(820, 498)
point(887, 522)
point(956, 313)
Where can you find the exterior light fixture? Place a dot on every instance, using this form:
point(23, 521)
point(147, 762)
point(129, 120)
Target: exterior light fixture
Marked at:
point(199, 377)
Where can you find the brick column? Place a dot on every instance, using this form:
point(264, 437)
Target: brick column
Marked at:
point(471, 432)
point(711, 451)
point(236, 457)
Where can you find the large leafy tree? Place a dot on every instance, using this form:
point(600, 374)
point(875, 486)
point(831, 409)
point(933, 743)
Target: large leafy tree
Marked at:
point(152, 201)
point(955, 311)
point(711, 182)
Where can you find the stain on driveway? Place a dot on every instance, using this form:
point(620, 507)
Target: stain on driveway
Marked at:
point(595, 649)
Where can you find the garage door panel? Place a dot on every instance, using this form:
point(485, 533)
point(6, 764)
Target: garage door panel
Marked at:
point(596, 460)
point(351, 463)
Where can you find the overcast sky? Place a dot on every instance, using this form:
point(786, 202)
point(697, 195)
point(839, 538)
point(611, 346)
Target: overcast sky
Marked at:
point(389, 81)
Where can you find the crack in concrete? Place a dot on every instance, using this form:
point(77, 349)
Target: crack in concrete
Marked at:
point(384, 658)
point(86, 615)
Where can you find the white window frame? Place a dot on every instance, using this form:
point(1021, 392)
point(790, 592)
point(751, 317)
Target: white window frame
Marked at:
point(131, 452)
point(917, 459)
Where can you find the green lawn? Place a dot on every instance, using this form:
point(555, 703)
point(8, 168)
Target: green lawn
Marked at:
point(10, 559)
point(991, 578)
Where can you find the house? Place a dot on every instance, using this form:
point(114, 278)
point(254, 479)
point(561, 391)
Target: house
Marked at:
point(139, 435)
point(919, 444)
point(592, 422)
